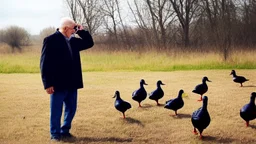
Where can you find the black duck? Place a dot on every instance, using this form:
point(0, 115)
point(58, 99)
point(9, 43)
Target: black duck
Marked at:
point(201, 88)
point(158, 93)
point(248, 111)
point(140, 94)
point(238, 79)
point(175, 104)
point(120, 104)
point(201, 118)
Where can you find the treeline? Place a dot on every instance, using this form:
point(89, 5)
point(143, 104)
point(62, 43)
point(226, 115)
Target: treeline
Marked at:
point(158, 24)
point(164, 24)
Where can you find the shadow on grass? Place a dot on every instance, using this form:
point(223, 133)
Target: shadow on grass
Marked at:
point(161, 105)
point(146, 106)
point(98, 139)
point(216, 139)
point(133, 121)
point(252, 126)
point(249, 86)
point(180, 116)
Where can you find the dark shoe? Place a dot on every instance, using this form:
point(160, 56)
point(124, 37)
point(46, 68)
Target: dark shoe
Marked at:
point(55, 139)
point(67, 135)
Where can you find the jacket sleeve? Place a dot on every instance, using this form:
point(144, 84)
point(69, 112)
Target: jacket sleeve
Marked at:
point(85, 42)
point(46, 63)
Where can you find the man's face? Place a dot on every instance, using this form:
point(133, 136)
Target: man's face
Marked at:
point(69, 30)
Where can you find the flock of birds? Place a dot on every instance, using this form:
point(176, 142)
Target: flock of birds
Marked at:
point(200, 118)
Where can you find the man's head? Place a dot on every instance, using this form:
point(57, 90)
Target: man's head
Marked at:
point(67, 26)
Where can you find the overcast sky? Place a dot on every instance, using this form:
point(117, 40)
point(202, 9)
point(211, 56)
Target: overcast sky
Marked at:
point(33, 15)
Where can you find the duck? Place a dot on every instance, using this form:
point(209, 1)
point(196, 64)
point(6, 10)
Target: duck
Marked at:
point(140, 94)
point(238, 79)
point(202, 88)
point(176, 103)
point(120, 104)
point(248, 111)
point(158, 93)
point(201, 118)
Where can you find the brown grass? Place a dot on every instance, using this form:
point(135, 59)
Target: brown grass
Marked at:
point(25, 109)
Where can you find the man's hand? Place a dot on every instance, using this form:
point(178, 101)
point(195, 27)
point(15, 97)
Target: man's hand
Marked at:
point(50, 90)
point(80, 27)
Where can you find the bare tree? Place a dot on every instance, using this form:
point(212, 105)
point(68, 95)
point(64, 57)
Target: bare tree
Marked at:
point(185, 10)
point(16, 37)
point(124, 31)
point(153, 20)
point(74, 10)
point(92, 14)
point(225, 27)
point(46, 32)
point(154, 17)
point(141, 17)
point(111, 19)
point(221, 15)
point(86, 12)
point(162, 16)
point(249, 22)
point(1, 35)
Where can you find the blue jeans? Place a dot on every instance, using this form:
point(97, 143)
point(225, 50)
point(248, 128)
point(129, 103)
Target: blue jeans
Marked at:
point(58, 98)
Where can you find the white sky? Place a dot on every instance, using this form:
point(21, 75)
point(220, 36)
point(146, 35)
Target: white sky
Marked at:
point(33, 15)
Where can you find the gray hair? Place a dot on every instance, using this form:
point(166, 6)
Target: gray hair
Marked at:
point(66, 21)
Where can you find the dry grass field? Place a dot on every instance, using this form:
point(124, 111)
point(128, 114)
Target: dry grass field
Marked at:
point(24, 108)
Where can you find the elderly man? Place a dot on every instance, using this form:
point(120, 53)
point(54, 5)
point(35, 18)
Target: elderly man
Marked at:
point(61, 73)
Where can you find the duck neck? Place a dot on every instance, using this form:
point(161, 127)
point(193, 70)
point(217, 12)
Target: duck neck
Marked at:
point(118, 97)
point(234, 74)
point(252, 101)
point(158, 85)
point(205, 106)
point(141, 85)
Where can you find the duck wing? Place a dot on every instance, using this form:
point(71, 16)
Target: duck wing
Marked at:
point(127, 105)
point(200, 89)
point(248, 112)
point(174, 104)
point(121, 105)
point(200, 119)
point(239, 79)
point(156, 94)
point(139, 95)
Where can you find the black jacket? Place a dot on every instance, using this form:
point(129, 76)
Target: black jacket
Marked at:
point(58, 68)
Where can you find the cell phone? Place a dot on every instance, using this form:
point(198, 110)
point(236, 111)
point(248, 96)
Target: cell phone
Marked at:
point(75, 28)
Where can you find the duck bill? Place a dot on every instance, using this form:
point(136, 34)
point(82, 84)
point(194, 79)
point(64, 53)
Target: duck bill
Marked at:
point(114, 96)
point(209, 81)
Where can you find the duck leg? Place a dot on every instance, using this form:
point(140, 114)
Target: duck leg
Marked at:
point(241, 85)
point(123, 115)
point(195, 132)
point(200, 98)
point(176, 113)
point(247, 123)
point(201, 136)
point(157, 103)
point(139, 104)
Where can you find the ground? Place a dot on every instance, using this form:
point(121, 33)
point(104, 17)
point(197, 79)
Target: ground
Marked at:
point(25, 109)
